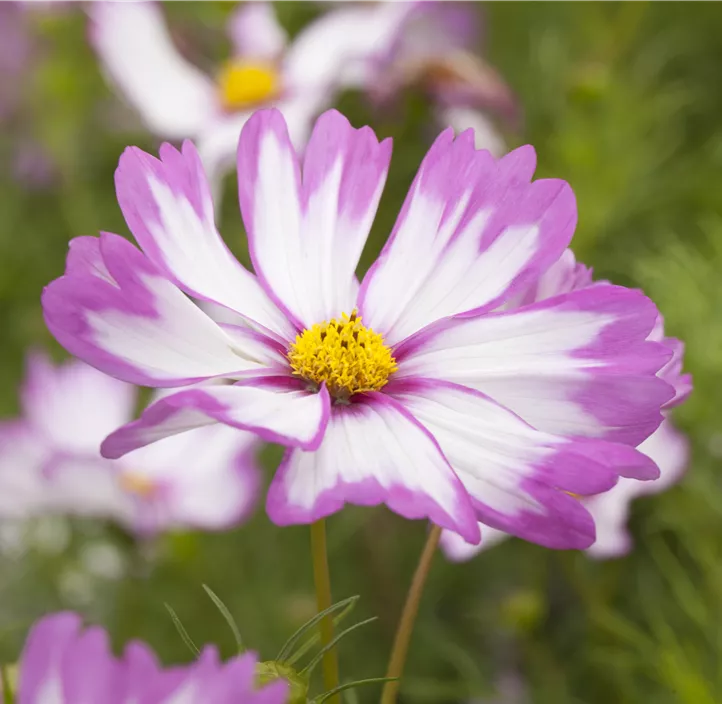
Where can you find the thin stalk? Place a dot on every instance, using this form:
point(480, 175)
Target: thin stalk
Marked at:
point(322, 580)
point(408, 618)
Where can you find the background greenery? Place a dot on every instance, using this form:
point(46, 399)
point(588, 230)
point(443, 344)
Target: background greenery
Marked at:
point(621, 100)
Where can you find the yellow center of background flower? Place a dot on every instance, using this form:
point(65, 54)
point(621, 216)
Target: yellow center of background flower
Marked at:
point(245, 83)
point(137, 484)
point(345, 354)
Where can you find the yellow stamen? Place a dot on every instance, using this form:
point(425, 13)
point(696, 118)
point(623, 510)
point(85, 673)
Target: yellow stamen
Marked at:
point(345, 354)
point(245, 83)
point(137, 484)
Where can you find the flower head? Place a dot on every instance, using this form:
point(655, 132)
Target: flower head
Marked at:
point(177, 100)
point(64, 663)
point(455, 409)
point(666, 447)
point(50, 459)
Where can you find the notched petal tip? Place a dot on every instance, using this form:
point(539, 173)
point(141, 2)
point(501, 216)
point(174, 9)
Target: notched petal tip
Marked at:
point(522, 160)
point(266, 117)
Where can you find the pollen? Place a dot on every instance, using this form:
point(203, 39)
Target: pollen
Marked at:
point(349, 357)
point(243, 84)
point(137, 484)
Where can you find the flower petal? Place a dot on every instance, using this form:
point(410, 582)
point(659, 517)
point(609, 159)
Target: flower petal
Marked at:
point(672, 371)
point(89, 486)
point(167, 205)
point(218, 143)
point(90, 673)
point(306, 232)
point(209, 476)
point(563, 276)
point(669, 449)
point(578, 364)
point(139, 327)
point(373, 452)
point(142, 671)
point(471, 233)
point(462, 118)
point(73, 405)
point(85, 257)
point(278, 409)
point(666, 447)
point(63, 663)
point(174, 98)
point(255, 31)
point(519, 478)
point(40, 663)
point(23, 456)
point(344, 46)
point(457, 549)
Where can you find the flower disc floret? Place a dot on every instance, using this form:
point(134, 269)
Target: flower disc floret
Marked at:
point(246, 83)
point(349, 357)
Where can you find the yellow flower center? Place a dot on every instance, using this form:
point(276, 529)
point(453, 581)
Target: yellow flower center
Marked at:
point(245, 83)
point(137, 484)
point(345, 354)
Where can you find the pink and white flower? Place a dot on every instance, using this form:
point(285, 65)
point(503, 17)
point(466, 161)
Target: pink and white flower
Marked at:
point(50, 459)
point(66, 664)
point(177, 100)
point(666, 447)
point(410, 388)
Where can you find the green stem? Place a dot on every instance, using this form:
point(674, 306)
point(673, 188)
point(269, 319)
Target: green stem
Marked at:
point(322, 581)
point(408, 618)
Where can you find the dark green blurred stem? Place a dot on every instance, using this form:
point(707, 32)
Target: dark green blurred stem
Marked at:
point(322, 580)
point(408, 617)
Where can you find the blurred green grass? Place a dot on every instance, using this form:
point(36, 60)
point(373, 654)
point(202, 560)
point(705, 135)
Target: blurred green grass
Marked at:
point(623, 100)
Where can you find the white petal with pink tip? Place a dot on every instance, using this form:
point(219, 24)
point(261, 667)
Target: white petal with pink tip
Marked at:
point(372, 453)
point(174, 98)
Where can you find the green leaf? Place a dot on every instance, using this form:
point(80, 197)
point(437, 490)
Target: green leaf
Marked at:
point(182, 631)
point(358, 683)
point(288, 645)
point(226, 615)
point(303, 649)
point(309, 668)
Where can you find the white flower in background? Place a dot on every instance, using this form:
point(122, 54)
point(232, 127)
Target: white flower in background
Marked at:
point(50, 459)
point(178, 100)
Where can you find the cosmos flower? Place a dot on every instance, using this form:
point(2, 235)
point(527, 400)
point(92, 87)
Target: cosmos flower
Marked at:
point(50, 459)
point(409, 388)
point(667, 447)
point(66, 664)
point(177, 100)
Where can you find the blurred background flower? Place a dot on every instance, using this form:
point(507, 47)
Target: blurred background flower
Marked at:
point(50, 459)
point(620, 99)
point(59, 654)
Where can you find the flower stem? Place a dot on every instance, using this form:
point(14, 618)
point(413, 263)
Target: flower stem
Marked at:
point(408, 618)
point(322, 581)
